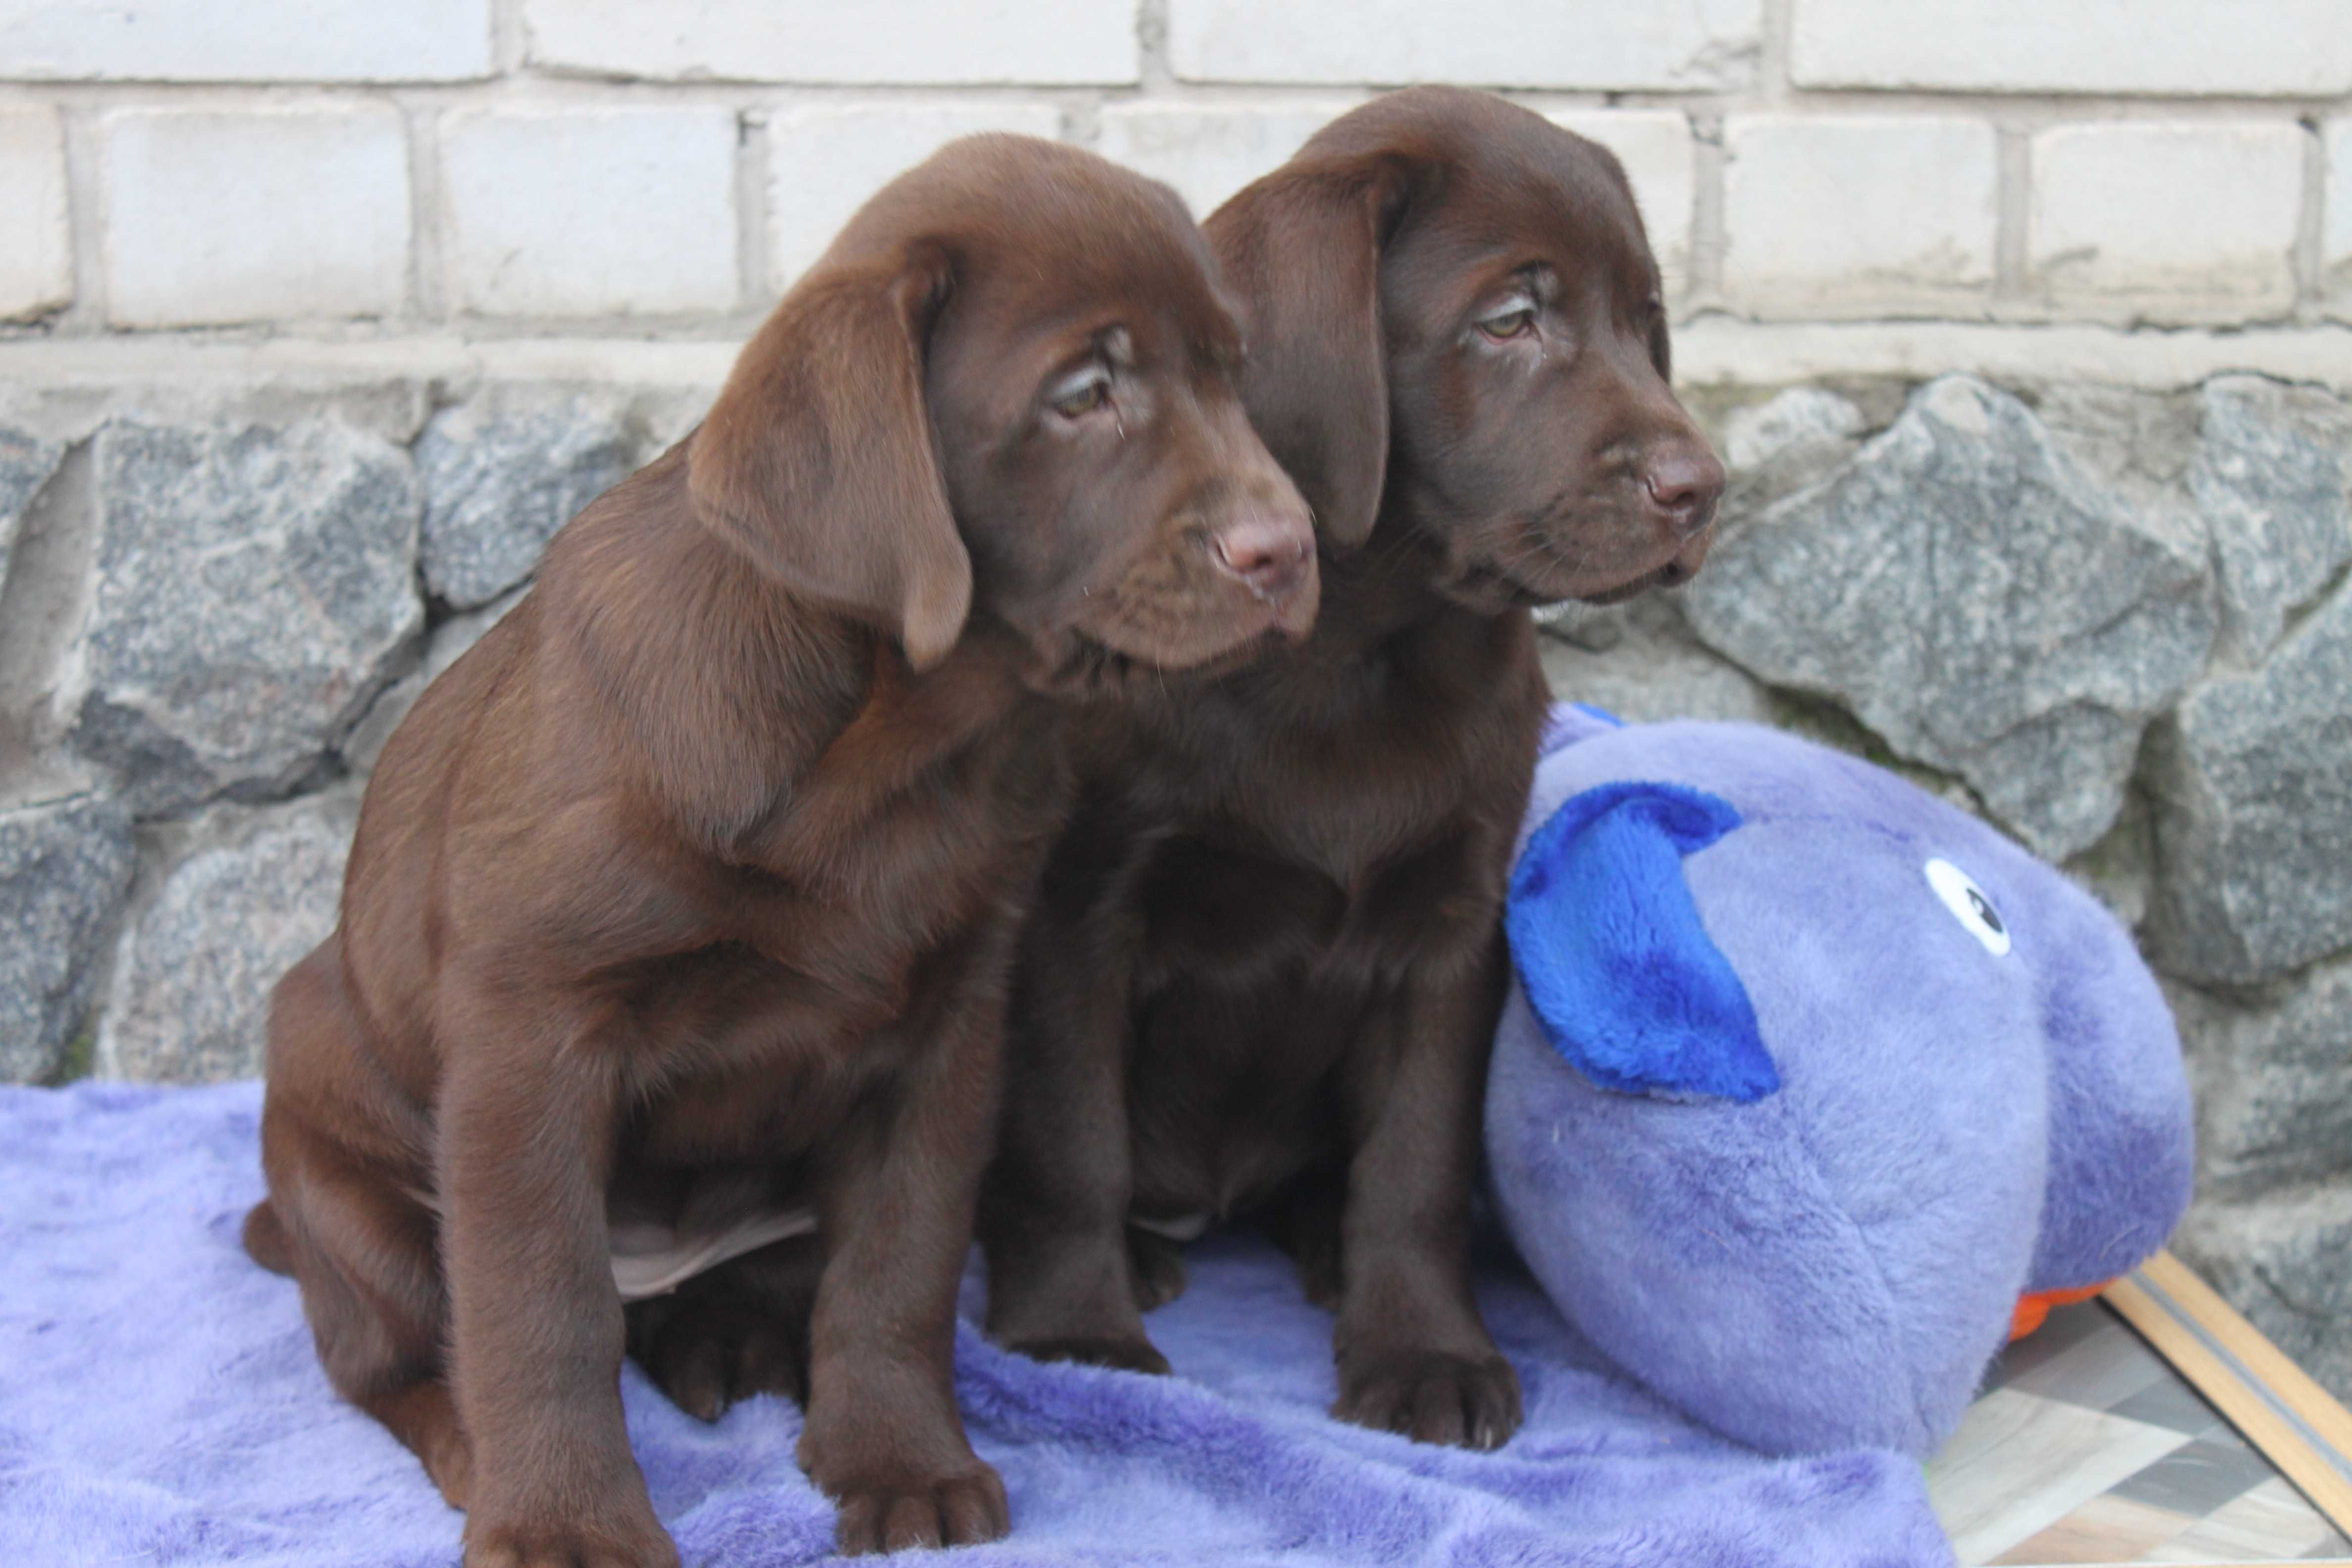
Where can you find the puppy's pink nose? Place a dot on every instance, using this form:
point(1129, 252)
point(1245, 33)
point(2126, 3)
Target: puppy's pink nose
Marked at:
point(1684, 483)
point(1269, 555)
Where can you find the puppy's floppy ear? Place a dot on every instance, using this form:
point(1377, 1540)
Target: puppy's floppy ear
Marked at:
point(1302, 246)
point(818, 460)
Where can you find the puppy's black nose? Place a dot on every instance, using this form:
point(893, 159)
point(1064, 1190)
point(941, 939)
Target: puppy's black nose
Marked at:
point(1269, 554)
point(1685, 482)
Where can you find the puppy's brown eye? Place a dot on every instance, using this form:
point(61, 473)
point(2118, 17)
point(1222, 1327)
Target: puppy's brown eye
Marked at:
point(1078, 395)
point(1514, 322)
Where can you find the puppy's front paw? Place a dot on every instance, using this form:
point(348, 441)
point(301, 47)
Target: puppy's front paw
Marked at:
point(1431, 1396)
point(1122, 1354)
point(893, 1513)
point(626, 1542)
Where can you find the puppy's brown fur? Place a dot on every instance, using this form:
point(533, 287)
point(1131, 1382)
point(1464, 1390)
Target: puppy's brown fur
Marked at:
point(686, 897)
point(1265, 965)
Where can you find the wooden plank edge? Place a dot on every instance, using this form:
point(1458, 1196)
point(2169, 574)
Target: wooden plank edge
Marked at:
point(2223, 1356)
point(2297, 1389)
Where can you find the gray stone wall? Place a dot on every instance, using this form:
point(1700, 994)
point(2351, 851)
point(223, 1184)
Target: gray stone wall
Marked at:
point(2117, 623)
point(217, 604)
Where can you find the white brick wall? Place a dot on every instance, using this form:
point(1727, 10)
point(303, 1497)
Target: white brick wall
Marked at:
point(1657, 149)
point(1843, 215)
point(591, 212)
point(873, 41)
point(1590, 43)
point(244, 40)
point(1209, 151)
point(36, 248)
point(2177, 221)
point(2283, 48)
point(219, 217)
point(551, 169)
point(822, 164)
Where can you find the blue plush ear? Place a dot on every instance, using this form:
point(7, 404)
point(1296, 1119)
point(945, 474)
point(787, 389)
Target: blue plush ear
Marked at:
point(1621, 975)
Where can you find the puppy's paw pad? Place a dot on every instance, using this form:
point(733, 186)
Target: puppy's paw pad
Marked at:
point(1431, 1396)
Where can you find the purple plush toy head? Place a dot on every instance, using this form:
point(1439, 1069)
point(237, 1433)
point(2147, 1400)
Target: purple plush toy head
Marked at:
point(1806, 1076)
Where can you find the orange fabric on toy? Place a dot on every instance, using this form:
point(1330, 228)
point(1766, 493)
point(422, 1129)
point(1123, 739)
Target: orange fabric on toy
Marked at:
point(2033, 1310)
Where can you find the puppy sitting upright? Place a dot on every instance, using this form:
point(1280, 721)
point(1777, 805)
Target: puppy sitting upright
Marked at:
point(1263, 973)
point(683, 903)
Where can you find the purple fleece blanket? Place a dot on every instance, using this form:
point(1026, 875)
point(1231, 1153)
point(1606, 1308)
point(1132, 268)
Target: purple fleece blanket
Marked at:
point(160, 1405)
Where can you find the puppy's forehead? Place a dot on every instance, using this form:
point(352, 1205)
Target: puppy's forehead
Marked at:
point(1504, 176)
point(1054, 227)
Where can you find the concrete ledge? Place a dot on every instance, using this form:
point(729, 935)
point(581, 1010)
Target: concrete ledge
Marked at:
point(1714, 350)
point(1717, 350)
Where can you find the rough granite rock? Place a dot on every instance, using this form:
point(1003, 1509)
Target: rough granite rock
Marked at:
point(27, 461)
point(2285, 1261)
point(2273, 1075)
point(1781, 446)
point(2252, 784)
point(1978, 603)
point(512, 462)
point(452, 637)
point(2272, 478)
point(505, 468)
point(257, 889)
point(255, 584)
point(65, 869)
point(1640, 662)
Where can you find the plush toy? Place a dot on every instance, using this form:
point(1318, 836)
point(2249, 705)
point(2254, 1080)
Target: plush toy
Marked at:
point(1806, 1078)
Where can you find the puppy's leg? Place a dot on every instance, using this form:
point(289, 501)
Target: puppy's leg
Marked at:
point(364, 1254)
point(1414, 1356)
point(1159, 1264)
point(1062, 1279)
point(884, 1438)
point(346, 1227)
point(528, 1112)
point(1304, 1221)
point(739, 1330)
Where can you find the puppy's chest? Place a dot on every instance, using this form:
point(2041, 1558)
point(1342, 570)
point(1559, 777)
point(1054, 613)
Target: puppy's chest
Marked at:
point(860, 903)
point(829, 980)
point(1308, 860)
point(1216, 906)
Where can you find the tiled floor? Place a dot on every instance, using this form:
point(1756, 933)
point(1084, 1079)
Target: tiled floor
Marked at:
point(2087, 1448)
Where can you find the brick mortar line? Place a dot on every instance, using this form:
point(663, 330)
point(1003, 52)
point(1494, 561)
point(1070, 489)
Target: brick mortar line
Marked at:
point(1765, 96)
point(2310, 238)
point(2013, 214)
point(509, 41)
point(753, 176)
point(1710, 235)
point(428, 263)
point(1714, 348)
point(1778, 24)
point(84, 222)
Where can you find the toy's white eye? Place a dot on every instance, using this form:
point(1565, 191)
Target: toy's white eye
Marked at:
point(1969, 905)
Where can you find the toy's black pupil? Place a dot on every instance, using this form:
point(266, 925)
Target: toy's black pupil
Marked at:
point(1986, 912)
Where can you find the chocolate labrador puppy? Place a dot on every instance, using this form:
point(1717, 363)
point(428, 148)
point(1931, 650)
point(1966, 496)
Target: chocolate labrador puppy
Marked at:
point(1266, 966)
point(681, 907)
